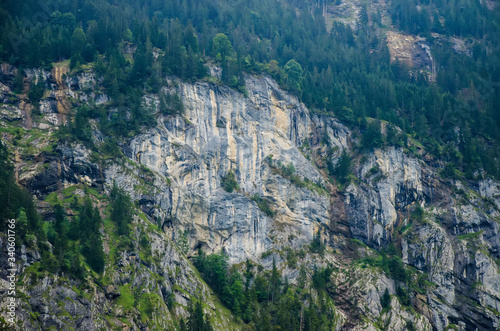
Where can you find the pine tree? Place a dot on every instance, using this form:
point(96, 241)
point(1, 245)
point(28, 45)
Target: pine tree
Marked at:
point(18, 83)
point(385, 300)
point(342, 170)
point(275, 281)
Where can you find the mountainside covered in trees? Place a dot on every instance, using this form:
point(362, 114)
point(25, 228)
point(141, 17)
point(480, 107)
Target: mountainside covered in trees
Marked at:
point(252, 165)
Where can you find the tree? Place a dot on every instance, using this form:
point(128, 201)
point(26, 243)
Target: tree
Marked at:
point(275, 281)
point(221, 47)
point(385, 300)
point(18, 82)
point(36, 91)
point(121, 209)
point(90, 223)
point(61, 238)
point(197, 320)
point(317, 245)
point(346, 114)
point(294, 72)
point(372, 137)
point(229, 182)
point(78, 40)
point(171, 104)
point(342, 170)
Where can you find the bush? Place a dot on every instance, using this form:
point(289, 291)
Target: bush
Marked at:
point(418, 214)
point(229, 182)
point(264, 205)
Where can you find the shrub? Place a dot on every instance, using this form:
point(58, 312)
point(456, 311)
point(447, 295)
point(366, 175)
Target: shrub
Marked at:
point(264, 205)
point(229, 182)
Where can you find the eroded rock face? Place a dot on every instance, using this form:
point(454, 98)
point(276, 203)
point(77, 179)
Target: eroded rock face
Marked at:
point(223, 131)
point(410, 50)
point(390, 182)
point(455, 243)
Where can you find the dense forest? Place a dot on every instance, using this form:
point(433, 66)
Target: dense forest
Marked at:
point(346, 71)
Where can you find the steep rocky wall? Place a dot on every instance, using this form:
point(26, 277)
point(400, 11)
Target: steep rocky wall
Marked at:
point(175, 171)
point(223, 131)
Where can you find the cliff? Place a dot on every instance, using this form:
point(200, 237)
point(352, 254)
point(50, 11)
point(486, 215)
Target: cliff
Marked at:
point(447, 231)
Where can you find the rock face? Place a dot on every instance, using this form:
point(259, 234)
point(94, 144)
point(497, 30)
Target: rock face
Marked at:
point(277, 151)
point(455, 243)
point(223, 131)
point(410, 50)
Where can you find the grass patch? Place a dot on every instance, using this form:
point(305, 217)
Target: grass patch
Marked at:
point(52, 199)
point(470, 236)
point(126, 299)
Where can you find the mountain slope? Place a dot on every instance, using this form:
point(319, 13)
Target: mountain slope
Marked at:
point(446, 232)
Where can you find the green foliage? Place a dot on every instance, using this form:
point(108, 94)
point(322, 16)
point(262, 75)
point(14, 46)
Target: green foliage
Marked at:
point(418, 214)
point(182, 242)
point(264, 205)
point(36, 91)
point(121, 210)
point(264, 300)
point(294, 72)
point(197, 320)
point(18, 83)
point(288, 172)
point(470, 236)
point(337, 70)
point(221, 47)
point(396, 268)
point(385, 300)
point(147, 304)
point(126, 299)
point(171, 104)
point(342, 170)
point(410, 326)
point(291, 258)
point(403, 296)
point(229, 182)
point(346, 115)
point(317, 246)
point(86, 231)
point(372, 136)
point(321, 277)
point(17, 203)
point(390, 262)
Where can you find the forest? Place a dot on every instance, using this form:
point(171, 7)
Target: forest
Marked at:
point(345, 72)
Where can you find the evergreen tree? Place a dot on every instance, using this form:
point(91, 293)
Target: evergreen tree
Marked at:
point(197, 320)
point(385, 300)
point(18, 83)
point(121, 210)
point(342, 170)
point(372, 137)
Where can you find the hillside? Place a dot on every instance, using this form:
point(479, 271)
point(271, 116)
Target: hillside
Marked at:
point(182, 166)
